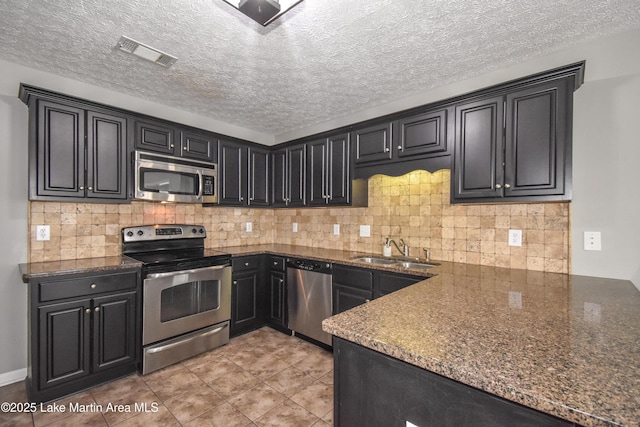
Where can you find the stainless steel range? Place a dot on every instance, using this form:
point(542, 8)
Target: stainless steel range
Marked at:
point(186, 292)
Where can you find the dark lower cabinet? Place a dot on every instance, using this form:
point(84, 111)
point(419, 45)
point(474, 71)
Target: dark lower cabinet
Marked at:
point(247, 294)
point(373, 389)
point(351, 287)
point(84, 330)
point(385, 282)
point(277, 297)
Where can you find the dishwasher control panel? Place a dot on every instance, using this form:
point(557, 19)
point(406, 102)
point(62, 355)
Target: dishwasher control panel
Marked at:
point(309, 265)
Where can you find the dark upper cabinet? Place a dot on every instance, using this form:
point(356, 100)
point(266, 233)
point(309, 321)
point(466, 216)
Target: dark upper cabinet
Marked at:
point(516, 146)
point(233, 173)
point(155, 136)
point(289, 176)
point(328, 171)
point(422, 134)
point(259, 177)
point(77, 153)
point(373, 143)
point(198, 146)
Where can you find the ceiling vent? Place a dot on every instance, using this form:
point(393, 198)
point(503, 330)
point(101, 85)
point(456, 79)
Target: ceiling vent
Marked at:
point(143, 51)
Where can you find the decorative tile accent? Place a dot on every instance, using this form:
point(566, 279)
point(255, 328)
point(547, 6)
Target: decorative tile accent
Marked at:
point(414, 207)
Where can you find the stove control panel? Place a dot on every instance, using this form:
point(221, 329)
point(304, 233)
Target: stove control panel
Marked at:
point(163, 232)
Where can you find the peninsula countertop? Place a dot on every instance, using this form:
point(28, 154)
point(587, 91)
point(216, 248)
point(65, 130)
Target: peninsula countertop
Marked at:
point(564, 345)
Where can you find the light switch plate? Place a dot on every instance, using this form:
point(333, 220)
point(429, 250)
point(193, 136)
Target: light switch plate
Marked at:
point(515, 237)
point(336, 229)
point(592, 241)
point(43, 232)
point(295, 227)
point(365, 231)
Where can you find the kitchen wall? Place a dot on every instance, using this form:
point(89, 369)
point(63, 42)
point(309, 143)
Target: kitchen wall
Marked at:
point(415, 207)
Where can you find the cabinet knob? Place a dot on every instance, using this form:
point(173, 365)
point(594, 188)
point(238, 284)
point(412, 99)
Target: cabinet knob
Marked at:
point(281, 281)
point(507, 186)
point(93, 286)
point(246, 264)
point(399, 147)
point(241, 199)
point(251, 198)
point(97, 309)
point(185, 148)
point(386, 150)
point(367, 300)
point(498, 186)
point(90, 188)
point(88, 311)
point(171, 145)
point(235, 282)
point(275, 262)
point(82, 187)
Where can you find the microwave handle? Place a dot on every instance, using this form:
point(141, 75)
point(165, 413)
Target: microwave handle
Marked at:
point(201, 184)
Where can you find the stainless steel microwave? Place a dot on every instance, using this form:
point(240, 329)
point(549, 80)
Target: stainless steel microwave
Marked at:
point(172, 179)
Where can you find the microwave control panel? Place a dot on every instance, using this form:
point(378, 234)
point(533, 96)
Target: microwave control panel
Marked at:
point(208, 184)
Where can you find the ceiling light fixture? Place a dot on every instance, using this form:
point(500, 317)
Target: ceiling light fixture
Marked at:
point(263, 12)
point(143, 51)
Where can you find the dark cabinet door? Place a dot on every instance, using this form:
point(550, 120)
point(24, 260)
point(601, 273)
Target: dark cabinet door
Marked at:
point(232, 174)
point(477, 168)
point(536, 131)
point(244, 297)
point(339, 173)
point(60, 151)
point(346, 297)
point(373, 143)
point(385, 283)
point(106, 156)
point(259, 177)
point(198, 146)
point(154, 136)
point(114, 331)
point(64, 332)
point(277, 298)
point(317, 170)
point(422, 134)
point(279, 178)
point(297, 174)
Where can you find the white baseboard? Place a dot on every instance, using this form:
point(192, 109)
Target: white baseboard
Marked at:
point(13, 376)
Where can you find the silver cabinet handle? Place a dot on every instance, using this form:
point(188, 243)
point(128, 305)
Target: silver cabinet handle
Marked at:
point(507, 186)
point(93, 286)
point(498, 186)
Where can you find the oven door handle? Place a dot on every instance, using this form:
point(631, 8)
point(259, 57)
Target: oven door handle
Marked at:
point(176, 344)
point(181, 272)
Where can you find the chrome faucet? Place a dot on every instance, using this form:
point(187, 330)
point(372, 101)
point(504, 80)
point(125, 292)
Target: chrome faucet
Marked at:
point(405, 248)
point(427, 254)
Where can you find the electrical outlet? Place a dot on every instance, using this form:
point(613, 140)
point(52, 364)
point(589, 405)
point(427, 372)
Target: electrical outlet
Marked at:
point(295, 227)
point(336, 229)
point(249, 227)
point(515, 237)
point(43, 232)
point(515, 299)
point(592, 241)
point(365, 231)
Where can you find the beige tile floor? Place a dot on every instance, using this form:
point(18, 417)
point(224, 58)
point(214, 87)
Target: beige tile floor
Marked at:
point(263, 378)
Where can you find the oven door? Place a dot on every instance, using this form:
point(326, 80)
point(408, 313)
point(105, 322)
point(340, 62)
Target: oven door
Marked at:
point(179, 302)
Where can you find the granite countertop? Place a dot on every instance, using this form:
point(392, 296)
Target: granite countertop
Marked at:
point(35, 270)
point(565, 345)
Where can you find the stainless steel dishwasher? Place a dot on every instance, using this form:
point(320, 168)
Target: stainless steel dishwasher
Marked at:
point(309, 297)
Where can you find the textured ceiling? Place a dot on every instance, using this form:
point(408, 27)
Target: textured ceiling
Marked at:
point(323, 60)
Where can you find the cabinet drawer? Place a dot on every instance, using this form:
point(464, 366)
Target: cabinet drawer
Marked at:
point(353, 277)
point(245, 263)
point(277, 263)
point(87, 285)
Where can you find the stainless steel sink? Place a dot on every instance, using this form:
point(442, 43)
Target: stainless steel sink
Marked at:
point(403, 262)
point(373, 260)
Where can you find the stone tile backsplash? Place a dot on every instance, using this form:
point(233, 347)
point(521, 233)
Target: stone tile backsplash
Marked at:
point(414, 207)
